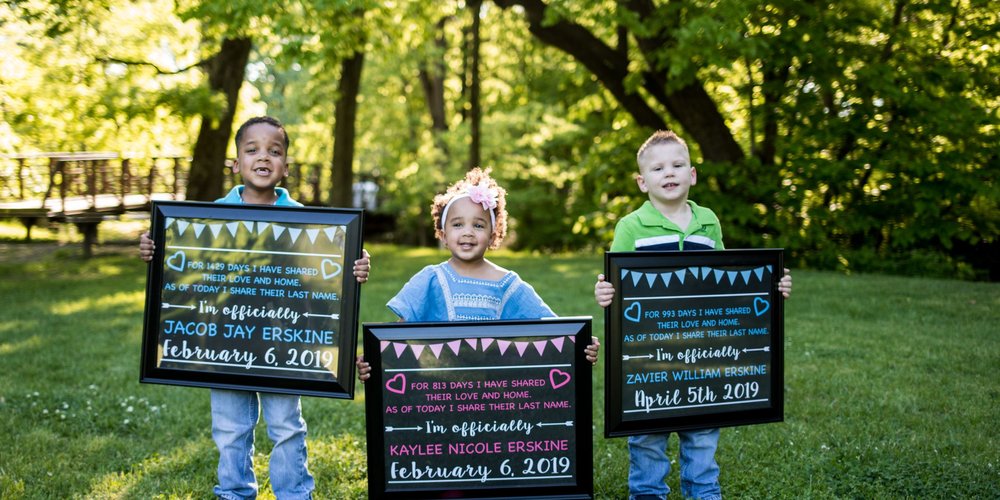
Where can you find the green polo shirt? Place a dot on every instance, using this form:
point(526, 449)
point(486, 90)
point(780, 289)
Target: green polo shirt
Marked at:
point(648, 229)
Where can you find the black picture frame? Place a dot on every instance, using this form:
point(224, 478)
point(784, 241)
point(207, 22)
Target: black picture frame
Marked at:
point(250, 297)
point(539, 406)
point(694, 340)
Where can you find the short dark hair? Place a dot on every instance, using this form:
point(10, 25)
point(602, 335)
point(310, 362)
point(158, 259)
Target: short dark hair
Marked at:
point(260, 119)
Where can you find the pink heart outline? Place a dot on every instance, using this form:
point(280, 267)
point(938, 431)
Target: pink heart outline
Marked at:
point(401, 378)
point(552, 378)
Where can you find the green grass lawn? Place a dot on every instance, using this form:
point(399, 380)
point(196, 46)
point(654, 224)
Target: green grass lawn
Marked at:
point(891, 388)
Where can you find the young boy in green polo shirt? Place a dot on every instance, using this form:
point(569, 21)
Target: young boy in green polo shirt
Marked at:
point(670, 221)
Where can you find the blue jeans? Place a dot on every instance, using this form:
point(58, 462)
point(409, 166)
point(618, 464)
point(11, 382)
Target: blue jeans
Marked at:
point(649, 465)
point(234, 415)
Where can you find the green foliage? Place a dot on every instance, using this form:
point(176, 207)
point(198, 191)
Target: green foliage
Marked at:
point(868, 129)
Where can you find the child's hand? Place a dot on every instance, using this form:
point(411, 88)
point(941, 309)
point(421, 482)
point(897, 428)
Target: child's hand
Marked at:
point(785, 285)
point(362, 266)
point(146, 247)
point(364, 369)
point(592, 350)
point(604, 292)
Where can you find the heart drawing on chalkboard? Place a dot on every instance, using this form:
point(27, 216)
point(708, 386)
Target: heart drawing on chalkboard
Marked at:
point(397, 384)
point(634, 312)
point(760, 306)
point(558, 378)
point(176, 261)
point(330, 269)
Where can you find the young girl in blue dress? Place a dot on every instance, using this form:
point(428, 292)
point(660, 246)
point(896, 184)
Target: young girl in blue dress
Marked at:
point(469, 218)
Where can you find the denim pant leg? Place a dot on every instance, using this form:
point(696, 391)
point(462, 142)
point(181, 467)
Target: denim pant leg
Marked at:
point(648, 465)
point(699, 471)
point(234, 415)
point(290, 478)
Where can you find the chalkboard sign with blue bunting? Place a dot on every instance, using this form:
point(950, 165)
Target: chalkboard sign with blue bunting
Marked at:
point(694, 340)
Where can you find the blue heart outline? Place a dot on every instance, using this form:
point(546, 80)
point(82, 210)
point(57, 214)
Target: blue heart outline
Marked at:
point(760, 306)
point(638, 312)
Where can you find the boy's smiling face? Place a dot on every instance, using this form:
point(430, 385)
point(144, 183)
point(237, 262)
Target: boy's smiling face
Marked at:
point(666, 174)
point(261, 157)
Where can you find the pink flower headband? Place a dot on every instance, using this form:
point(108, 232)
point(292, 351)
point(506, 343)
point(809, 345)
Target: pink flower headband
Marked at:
point(481, 194)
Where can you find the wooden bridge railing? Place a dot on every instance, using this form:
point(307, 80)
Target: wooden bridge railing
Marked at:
point(86, 188)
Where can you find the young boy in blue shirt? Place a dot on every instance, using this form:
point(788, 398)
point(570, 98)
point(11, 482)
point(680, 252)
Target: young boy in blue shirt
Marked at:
point(670, 221)
point(262, 162)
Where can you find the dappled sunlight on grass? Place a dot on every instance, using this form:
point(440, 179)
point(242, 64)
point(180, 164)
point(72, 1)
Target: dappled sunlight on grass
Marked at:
point(123, 302)
point(13, 348)
point(339, 465)
point(160, 468)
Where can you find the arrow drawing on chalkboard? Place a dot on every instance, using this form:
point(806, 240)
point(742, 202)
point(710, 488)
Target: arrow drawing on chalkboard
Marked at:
point(568, 423)
point(626, 357)
point(312, 315)
point(765, 349)
point(390, 428)
point(167, 305)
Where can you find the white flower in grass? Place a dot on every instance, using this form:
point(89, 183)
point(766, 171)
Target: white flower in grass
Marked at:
point(824, 447)
point(92, 387)
point(129, 409)
point(126, 421)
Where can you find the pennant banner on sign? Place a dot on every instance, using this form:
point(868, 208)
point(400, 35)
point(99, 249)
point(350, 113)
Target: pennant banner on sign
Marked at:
point(456, 347)
point(704, 273)
point(233, 229)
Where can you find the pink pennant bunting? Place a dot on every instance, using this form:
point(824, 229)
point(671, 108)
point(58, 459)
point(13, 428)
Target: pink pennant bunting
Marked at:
point(521, 346)
point(382, 345)
point(572, 338)
point(436, 349)
point(399, 349)
point(487, 342)
point(558, 343)
point(503, 345)
point(455, 345)
point(473, 343)
point(417, 349)
point(540, 346)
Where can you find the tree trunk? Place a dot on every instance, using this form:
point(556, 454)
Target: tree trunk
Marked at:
point(432, 81)
point(475, 109)
point(208, 161)
point(690, 105)
point(342, 165)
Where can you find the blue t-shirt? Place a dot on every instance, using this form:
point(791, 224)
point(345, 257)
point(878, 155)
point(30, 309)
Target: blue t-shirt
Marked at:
point(235, 197)
point(438, 293)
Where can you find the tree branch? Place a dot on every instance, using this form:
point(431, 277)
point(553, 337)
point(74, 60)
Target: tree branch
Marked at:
point(160, 71)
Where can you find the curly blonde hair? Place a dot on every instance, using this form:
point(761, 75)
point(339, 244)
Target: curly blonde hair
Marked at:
point(473, 178)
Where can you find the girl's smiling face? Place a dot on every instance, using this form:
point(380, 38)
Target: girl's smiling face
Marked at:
point(467, 231)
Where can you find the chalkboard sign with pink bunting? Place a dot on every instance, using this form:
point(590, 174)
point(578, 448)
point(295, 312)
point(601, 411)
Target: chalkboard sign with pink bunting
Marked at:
point(479, 410)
